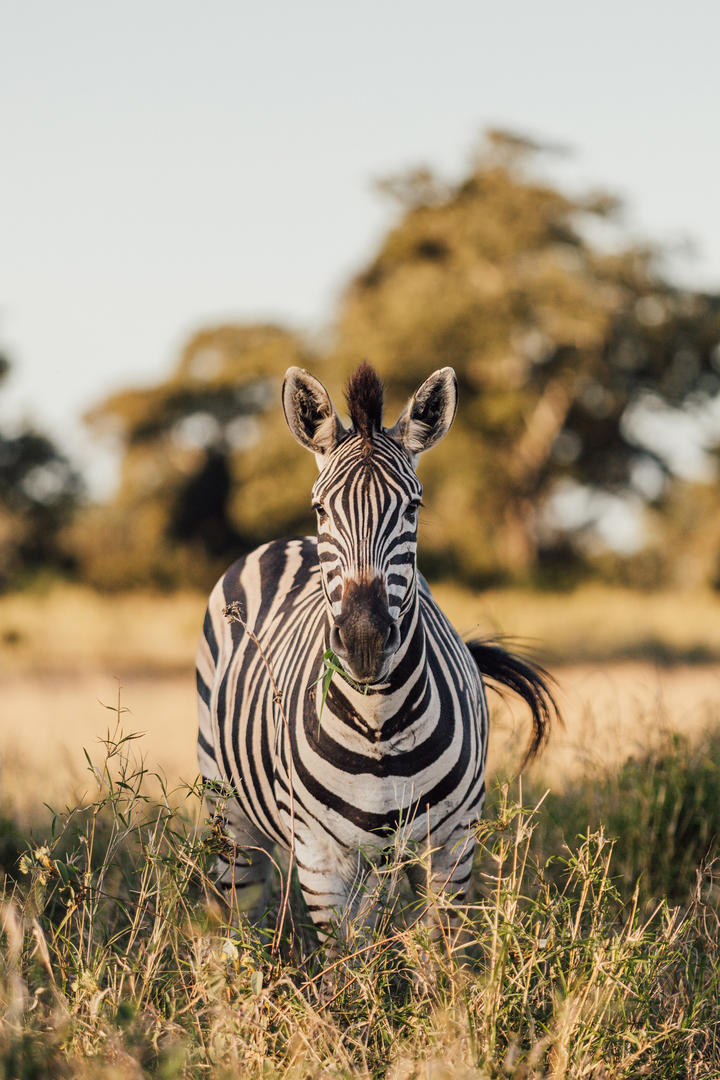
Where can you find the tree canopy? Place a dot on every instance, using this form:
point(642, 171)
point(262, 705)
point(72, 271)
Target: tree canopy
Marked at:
point(206, 470)
point(39, 490)
point(556, 343)
point(559, 341)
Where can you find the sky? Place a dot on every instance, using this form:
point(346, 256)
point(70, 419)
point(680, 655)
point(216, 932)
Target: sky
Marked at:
point(170, 165)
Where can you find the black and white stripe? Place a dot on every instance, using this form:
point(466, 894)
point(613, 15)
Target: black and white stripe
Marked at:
point(396, 755)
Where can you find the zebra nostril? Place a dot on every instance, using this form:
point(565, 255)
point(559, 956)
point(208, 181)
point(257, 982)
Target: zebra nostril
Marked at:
point(393, 638)
point(336, 642)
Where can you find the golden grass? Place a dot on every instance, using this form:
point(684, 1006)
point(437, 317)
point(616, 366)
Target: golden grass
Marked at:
point(48, 720)
point(593, 622)
point(115, 961)
point(611, 713)
point(69, 629)
point(64, 653)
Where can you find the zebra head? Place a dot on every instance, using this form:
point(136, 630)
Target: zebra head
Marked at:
point(367, 497)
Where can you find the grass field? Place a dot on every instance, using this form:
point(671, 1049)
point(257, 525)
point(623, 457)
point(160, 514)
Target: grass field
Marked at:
point(592, 945)
point(628, 667)
point(69, 630)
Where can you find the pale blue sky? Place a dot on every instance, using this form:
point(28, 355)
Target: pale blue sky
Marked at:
point(167, 165)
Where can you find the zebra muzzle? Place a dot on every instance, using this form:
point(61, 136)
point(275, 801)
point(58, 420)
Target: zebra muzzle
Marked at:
point(364, 636)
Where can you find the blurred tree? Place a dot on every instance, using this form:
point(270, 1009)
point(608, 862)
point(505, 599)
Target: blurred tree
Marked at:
point(683, 539)
point(203, 455)
point(39, 492)
point(561, 341)
point(558, 342)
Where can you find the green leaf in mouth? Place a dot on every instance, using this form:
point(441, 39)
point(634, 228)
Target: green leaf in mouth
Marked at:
point(330, 667)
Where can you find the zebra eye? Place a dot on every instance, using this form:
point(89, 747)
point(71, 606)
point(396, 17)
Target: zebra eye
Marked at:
point(320, 511)
point(412, 509)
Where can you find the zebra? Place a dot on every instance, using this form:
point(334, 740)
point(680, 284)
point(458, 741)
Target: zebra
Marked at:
point(395, 742)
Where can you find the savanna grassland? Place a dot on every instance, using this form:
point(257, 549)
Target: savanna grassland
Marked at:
point(591, 947)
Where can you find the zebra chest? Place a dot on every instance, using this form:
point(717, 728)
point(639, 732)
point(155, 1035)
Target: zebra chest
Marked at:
point(375, 773)
point(358, 776)
point(358, 787)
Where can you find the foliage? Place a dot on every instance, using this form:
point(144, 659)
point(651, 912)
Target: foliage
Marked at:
point(203, 468)
point(39, 491)
point(684, 530)
point(559, 340)
point(117, 960)
point(662, 810)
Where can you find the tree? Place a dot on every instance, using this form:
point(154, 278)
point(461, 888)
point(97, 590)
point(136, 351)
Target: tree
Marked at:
point(201, 464)
point(557, 342)
point(560, 343)
point(39, 492)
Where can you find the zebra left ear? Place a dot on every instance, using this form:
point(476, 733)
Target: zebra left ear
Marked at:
point(310, 413)
point(429, 413)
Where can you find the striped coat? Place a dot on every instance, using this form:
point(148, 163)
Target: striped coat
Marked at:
point(390, 754)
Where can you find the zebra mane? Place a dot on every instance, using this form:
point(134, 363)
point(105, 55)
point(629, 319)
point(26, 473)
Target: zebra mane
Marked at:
point(364, 396)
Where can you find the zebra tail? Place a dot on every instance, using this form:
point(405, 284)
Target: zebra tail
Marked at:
point(528, 680)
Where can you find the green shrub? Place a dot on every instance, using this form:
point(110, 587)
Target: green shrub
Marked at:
point(662, 811)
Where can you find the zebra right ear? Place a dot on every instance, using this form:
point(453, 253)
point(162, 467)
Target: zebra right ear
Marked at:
point(428, 415)
point(310, 413)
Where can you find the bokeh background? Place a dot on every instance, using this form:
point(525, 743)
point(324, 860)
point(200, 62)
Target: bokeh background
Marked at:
point(194, 200)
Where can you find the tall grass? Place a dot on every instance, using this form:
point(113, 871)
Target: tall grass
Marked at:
point(591, 947)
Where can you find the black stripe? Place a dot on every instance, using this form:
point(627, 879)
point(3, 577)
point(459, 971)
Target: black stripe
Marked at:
point(205, 745)
point(209, 633)
point(383, 823)
point(202, 688)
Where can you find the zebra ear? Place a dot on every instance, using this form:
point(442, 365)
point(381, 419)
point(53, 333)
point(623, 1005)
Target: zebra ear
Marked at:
point(429, 413)
point(310, 413)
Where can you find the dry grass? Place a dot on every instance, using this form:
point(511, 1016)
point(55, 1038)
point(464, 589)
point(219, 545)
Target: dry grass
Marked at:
point(64, 653)
point(117, 963)
point(46, 720)
point(70, 629)
point(594, 622)
point(587, 959)
point(611, 712)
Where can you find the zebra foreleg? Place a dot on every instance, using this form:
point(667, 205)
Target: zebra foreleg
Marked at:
point(243, 877)
point(346, 910)
point(244, 863)
point(440, 879)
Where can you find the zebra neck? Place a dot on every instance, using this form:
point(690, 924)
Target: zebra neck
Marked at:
point(390, 707)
